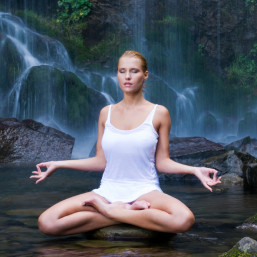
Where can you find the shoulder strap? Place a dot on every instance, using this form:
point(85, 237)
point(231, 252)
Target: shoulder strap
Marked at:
point(109, 115)
point(151, 114)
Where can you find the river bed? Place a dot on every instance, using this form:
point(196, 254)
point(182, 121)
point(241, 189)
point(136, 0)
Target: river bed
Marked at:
point(218, 215)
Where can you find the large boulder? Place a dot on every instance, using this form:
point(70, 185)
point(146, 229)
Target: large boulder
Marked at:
point(232, 166)
point(250, 175)
point(30, 142)
point(191, 150)
point(246, 144)
point(55, 95)
point(232, 162)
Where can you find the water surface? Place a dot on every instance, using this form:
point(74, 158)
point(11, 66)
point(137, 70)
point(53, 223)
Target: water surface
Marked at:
point(217, 216)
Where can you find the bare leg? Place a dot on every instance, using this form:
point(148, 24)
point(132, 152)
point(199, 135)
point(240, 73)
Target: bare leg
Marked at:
point(71, 217)
point(166, 214)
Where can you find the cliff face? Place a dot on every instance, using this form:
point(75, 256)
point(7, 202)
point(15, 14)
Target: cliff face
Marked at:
point(223, 29)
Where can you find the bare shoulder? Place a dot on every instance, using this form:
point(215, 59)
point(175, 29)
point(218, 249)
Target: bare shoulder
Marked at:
point(162, 112)
point(161, 118)
point(104, 113)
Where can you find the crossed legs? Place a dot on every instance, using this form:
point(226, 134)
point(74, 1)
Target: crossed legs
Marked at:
point(89, 211)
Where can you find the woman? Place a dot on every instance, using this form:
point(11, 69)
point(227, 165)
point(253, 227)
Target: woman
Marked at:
point(133, 139)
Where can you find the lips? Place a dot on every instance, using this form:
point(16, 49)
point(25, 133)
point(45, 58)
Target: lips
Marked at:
point(127, 84)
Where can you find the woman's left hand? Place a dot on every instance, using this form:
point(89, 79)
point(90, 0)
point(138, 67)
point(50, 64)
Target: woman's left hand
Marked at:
point(207, 176)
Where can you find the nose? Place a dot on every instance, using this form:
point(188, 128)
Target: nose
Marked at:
point(127, 75)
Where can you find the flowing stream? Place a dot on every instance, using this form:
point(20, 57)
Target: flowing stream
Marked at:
point(218, 216)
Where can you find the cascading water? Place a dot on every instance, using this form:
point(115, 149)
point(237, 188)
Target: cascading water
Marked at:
point(40, 82)
point(37, 50)
point(40, 75)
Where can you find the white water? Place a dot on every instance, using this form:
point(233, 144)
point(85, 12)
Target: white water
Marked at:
point(181, 96)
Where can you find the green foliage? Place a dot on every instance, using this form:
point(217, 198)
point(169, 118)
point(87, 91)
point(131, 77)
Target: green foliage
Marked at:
point(70, 36)
point(242, 73)
point(169, 20)
point(41, 24)
point(73, 11)
point(251, 5)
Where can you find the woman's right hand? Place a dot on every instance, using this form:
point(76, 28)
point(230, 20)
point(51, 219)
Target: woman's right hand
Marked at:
point(40, 175)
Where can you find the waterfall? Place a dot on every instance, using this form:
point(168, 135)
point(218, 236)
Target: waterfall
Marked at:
point(161, 37)
point(35, 71)
point(218, 34)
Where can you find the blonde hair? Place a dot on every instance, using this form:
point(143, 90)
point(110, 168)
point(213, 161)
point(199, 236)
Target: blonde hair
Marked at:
point(137, 55)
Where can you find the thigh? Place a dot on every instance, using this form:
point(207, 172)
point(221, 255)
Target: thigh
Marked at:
point(72, 205)
point(161, 201)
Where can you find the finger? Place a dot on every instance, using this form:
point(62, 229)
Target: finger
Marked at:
point(215, 172)
point(38, 168)
point(35, 176)
point(208, 187)
point(205, 184)
point(34, 172)
point(39, 180)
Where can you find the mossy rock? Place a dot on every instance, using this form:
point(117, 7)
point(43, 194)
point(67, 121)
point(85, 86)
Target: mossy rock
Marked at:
point(252, 219)
point(11, 64)
point(246, 247)
point(126, 232)
point(52, 94)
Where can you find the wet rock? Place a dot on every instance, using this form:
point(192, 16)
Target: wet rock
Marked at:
point(192, 150)
point(124, 231)
point(232, 179)
point(245, 247)
point(230, 162)
point(250, 175)
point(29, 142)
point(250, 223)
point(60, 96)
point(246, 144)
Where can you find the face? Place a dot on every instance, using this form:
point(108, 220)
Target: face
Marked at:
point(131, 77)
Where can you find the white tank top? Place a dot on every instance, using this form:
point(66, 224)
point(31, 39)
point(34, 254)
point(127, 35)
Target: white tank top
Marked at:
point(130, 154)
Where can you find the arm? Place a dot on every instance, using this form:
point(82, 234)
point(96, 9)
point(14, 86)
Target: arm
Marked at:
point(166, 165)
point(96, 163)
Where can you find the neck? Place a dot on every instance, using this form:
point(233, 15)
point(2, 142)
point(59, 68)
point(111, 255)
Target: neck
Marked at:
point(133, 100)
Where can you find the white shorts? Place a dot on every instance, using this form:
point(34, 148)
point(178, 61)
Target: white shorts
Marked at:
point(125, 191)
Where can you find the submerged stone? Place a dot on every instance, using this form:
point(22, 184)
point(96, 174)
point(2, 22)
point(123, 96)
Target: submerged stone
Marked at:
point(125, 231)
point(250, 223)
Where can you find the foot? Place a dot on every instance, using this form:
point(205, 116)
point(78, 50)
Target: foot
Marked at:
point(140, 205)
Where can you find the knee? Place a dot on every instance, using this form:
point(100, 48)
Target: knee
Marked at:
point(185, 221)
point(47, 226)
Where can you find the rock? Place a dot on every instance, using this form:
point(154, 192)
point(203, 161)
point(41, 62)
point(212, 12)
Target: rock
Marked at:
point(125, 231)
point(230, 162)
point(250, 223)
point(192, 150)
point(245, 247)
point(232, 179)
point(60, 96)
point(30, 142)
point(246, 144)
point(250, 175)
point(11, 65)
